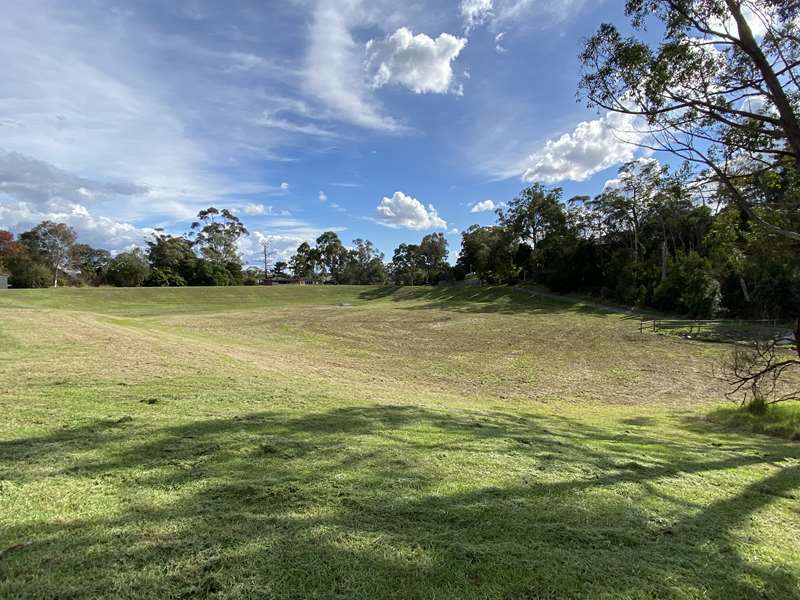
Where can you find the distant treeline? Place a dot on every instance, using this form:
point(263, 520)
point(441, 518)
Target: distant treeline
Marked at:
point(651, 238)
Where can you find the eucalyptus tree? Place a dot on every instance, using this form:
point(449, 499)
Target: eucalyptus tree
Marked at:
point(216, 235)
point(719, 90)
point(52, 243)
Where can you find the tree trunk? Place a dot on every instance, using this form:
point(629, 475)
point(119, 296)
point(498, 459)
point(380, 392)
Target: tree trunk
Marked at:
point(664, 255)
point(745, 291)
point(748, 43)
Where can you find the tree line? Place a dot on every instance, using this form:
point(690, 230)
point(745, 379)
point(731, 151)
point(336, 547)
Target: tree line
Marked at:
point(48, 255)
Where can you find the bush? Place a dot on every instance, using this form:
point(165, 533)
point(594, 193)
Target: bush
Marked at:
point(164, 278)
point(29, 273)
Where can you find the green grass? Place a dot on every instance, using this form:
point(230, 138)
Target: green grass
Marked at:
point(346, 442)
point(781, 420)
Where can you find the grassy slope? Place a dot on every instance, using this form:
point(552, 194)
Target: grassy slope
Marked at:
point(426, 443)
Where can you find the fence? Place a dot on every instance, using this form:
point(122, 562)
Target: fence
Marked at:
point(723, 330)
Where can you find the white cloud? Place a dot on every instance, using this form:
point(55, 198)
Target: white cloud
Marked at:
point(475, 12)
point(285, 186)
point(334, 67)
point(505, 13)
point(32, 191)
point(498, 46)
point(99, 231)
point(87, 89)
point(254, 209)
point(484, 206)
point(592, 147)
point(417, 62)
point(409, 213)
point(323, 197)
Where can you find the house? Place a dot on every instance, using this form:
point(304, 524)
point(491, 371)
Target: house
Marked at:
point(3, 281)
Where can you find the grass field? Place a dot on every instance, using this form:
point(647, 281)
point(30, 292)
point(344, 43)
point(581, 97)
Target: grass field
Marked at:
point(346, 442)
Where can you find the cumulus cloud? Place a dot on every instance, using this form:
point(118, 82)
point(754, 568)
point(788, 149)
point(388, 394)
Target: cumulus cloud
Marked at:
point(484, 206)
point(592, 147)
point(417, 62)
point(285, 186)
point(402, 211)
point(323, 197)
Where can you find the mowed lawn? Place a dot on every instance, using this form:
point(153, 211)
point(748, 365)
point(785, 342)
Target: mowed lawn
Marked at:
point(356, 442)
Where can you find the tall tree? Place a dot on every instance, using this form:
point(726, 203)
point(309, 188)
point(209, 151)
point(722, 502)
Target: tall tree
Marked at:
point(52, 242)
point(405, 265)
point(216, 235)
point(90, 262)
point(365, 264)
point(712, 91)
point(433, 256)
point(332, 254)
point(303, 263)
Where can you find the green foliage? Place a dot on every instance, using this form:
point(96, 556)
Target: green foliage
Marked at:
point(51, 243)
point(171, 259)
point(91, 263)
point(128, 269)
point(304, 261)
point(27, 272)
point(164, 277)
point(690, 287)
point(489, 253)
point(216, 234)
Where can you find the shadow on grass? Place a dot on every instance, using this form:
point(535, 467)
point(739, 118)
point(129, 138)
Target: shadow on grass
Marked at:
point(494, 299)
point(780, 420)
point(371, 502)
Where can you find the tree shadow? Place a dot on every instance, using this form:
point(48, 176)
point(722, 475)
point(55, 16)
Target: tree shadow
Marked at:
point(492, 299)
point(370, 502)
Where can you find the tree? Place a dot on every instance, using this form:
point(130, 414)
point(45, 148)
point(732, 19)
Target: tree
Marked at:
point(405, 265)
point(216, 235)
point(172, 260)
point(433, 257)
point(8, 248)
point(364, 264)
point(128, 269)
point(488, 252)
point(712, 91)
point(52, 242)
point(90, 262)
point(332, 255)
point(535, 213)
point(279, 270)
point(303, 263)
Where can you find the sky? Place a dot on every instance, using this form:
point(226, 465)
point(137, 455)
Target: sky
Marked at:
point(372, 118)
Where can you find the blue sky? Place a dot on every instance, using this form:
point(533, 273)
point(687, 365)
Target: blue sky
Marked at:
point(376, 119)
